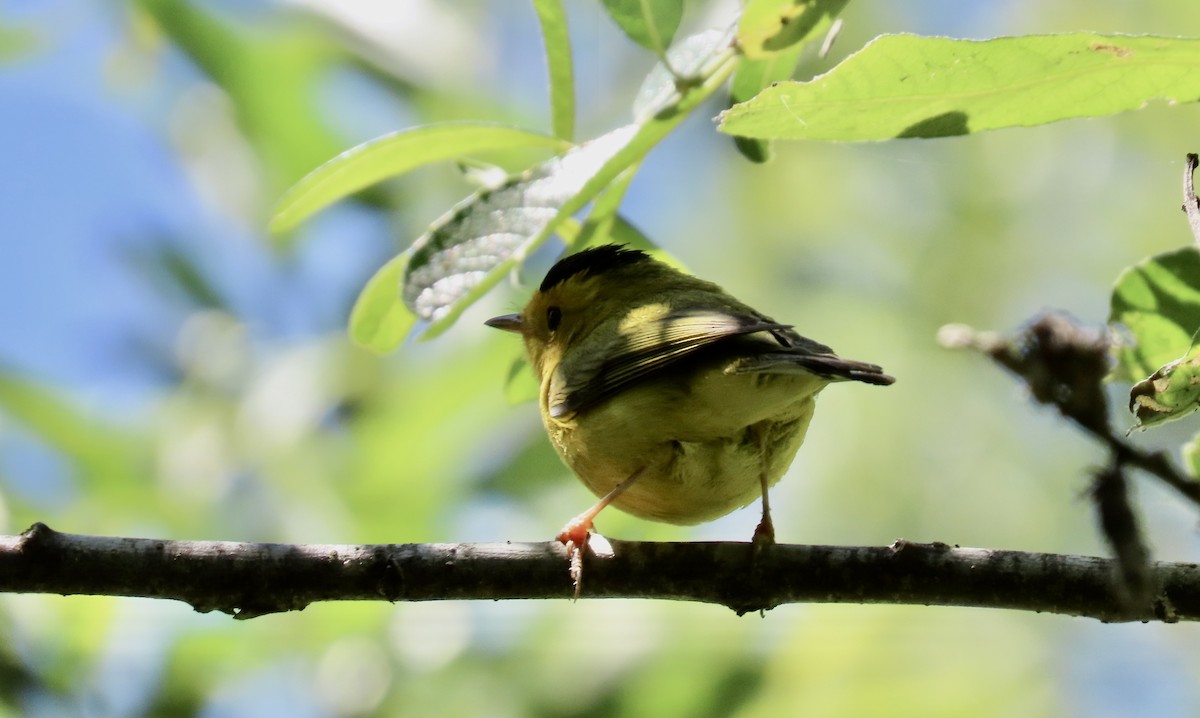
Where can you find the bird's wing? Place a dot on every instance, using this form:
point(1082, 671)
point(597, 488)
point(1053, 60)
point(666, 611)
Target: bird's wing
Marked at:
point(795, 353)
point(656, 344)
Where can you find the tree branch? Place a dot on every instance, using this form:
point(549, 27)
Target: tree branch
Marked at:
point(247, 580)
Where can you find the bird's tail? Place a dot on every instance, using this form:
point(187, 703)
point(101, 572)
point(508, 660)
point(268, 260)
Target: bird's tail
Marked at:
point(828, 365)
point(835, 367)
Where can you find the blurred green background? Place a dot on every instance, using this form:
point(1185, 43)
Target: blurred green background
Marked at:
point(167, 370)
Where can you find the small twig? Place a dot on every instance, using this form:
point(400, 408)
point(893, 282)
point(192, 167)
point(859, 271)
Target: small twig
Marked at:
point(1157, 464)
point(1190, 204)
point(1064, 365)
point(248, 580)
point(1121, 528)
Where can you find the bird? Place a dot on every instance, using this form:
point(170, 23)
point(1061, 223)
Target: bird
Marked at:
point(667, 397)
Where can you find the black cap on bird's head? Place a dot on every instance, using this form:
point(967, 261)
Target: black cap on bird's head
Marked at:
point(592, 261)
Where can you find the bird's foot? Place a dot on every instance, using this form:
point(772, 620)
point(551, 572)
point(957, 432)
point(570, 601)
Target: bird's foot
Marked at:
point(575, 537)
point(764, 535)
point(577, 530)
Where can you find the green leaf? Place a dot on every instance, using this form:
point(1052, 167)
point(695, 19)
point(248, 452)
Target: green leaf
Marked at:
point(394, 154)
point(674, 74)
point(1170, 393)
point(749, 79)
point(17, 42)
point(102, 454)
point(598, 227)
point(773, 35)
point(520, 385)
point(477, 242)
point(770, 26)
point(470, 249)
point(649, 23)
point(559, 63)
point(910, 86)
point(1191, 456)
point(1158, 301)
point(379, 320)
point(273, 76)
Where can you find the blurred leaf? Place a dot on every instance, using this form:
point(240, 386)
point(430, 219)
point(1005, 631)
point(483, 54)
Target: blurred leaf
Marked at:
point(770, 26)
point(174, 272)
point(1158, 300)
point(379, 321)
point(421, 439)
point(531, 470)
point(757, 151)
point(597, 228)
point(17, 42)
point(483, 175)
point(101, 454)
point(394, 154)
point(272, 77)
point(649, 23)
point(1191, 456)
point(520, 385)
point(910, 86)
point(1172, 392)
point(559, 63)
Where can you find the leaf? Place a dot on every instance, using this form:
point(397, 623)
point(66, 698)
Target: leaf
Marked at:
point(1170, 393)
point(770, 26)
point(910, 86)
point(749, 79)
point(467, 251)
point(1158, 301)
point(379, 320)
point(272, 76)
point(1191, 456)
point(394, 154)
point(649, 23)
point(520, 385)
point(102, 454)
point(773, 35)
point(660, 90)
point(17, 43)
point(559, 63)
point(597, 229)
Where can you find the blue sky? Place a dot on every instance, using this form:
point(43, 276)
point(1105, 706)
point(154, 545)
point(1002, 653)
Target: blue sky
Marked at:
point(90, 187)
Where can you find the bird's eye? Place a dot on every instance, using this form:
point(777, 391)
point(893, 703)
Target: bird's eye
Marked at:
point(553, 318)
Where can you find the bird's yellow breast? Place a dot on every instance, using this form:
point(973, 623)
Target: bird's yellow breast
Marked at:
point(703, 439)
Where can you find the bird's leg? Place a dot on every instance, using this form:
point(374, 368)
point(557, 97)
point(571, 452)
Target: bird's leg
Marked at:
point(575, 534)
point(764, 533)
point(577, 529)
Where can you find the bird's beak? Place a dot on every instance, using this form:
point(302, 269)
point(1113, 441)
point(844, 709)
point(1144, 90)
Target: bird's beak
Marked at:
point(507, 322)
